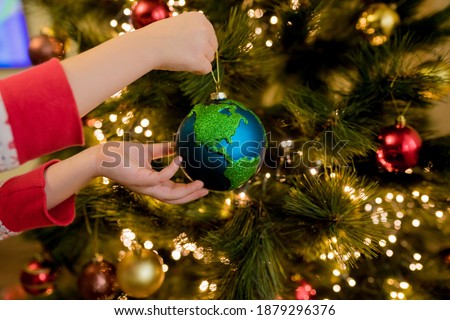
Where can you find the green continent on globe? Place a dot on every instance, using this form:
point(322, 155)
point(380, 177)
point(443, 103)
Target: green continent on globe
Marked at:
point(240, 171)
point(225, 125)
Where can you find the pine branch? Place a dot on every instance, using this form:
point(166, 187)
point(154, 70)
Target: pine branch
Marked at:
point(251, 253)
point(327, 215)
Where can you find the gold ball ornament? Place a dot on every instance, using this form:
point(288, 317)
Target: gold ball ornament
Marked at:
point(378, 22)
point(438, 73)
point(140, 273)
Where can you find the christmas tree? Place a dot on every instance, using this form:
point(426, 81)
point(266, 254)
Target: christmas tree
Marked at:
point(351, 197)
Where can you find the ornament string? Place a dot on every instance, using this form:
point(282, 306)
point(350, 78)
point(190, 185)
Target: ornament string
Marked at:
point(217, 79)
point(92, 233)
point(400, 115)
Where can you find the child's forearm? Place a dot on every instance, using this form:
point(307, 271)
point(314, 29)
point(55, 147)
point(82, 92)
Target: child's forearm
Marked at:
point(67, 177)
point(96, 74)
point(183, 43)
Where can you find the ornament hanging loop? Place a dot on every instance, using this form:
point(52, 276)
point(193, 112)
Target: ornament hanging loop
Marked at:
point(218, 95)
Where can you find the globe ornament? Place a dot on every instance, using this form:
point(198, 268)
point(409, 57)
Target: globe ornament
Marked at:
point(222, 143)
point(378, 23)
point(399, 147)
point(140, 273)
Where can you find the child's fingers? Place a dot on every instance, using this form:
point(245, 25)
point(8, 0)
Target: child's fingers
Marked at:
point(171, 191)
point(190, 197)
point(159, 150)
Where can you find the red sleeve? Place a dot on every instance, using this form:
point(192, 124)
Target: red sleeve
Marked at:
point(23, 203)
point(42, 111)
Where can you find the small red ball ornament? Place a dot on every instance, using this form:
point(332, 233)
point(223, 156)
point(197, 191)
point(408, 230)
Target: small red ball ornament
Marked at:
point(144, 12)
point(98, 280)
point(399, 147)
point(38, 277)
point(42, 48)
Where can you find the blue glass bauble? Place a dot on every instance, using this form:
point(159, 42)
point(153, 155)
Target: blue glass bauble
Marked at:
point(222, 144)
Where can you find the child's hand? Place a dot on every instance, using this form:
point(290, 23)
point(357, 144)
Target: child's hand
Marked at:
point(186, 42)
point(129, 164)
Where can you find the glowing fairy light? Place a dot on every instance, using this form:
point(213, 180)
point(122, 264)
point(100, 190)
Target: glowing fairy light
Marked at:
point(127, 237)
point(336, 272)
point(323, 256)
point(351, 282)
point(98, 124)
point(176, 255)
point(273, 20)
point(313, 171)
point(228, 201)
point(417, 256)
point(138, 129)
point(368, 207)
point(389, 253)
point(439, 214)
point(105, 180)
point(336, 288)
point(269, 43)
point(378, 200)
point(148, 133)
point(113, 23)
point(392, 238)
point(425, 198)
point(401, 296)
point(330, 255)
point(259, 13)
point(399, 214)
point(404, 285)
point(165, 268)
point(148, 244)
point(389, 196)
point(127, 11)
point(382, 243)
point(399, 198)
point(415, 223)
point(119, 132)
point(126, 27)
point(268, 175)
point(258, 30)
point(333, 175)
point(416, 193)
point(113, 117)
point(145, 123)
point(203, 286)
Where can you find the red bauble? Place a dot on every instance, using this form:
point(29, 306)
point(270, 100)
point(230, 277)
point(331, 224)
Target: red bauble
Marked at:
point(399, 147)
point(144, 12)
point(98, 281)
point(42, 48)
point(38, 277)
point(304, 291)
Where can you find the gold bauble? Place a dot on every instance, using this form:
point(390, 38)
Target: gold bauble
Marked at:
point(438, 85)
point(140, 273)
point(378, 22)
